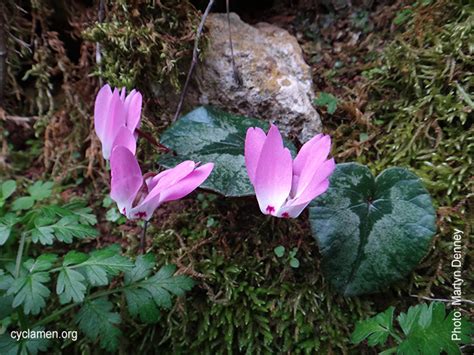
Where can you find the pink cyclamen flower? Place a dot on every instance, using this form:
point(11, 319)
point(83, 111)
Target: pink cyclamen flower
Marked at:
point(116, 116)
point(138, 196)
point(283, 186)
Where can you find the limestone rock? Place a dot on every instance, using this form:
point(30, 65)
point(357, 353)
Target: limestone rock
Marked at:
point(276, 83)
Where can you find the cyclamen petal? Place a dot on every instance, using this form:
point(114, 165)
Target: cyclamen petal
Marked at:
point(188, 184)
point(293, 208)
point(171, 184)
point(126, 178)
point(101, 108)
point(172, 176)
point(113, 110)
point(315, 186)
point(253, 147)
point(284, 187)
point(273, 174)
point(133, 105)
point(125, 139)
point(156, 186)
point(315, 157)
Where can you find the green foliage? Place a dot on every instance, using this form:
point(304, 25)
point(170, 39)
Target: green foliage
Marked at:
point(425, 330)
point(63, 223)
point(97, 320)
point(113, 214)
point(211, 135)
point(376, 329)
point(371, 231)
point(145, 295)
point(37, 192)
point(27, 298)
point(292, 260)
point(44, 223)
point(102, 264)
point(6, 226)
point(327, 100)
point(403, 16)
point(279, 251)
point(7, 189)
point(10, 346)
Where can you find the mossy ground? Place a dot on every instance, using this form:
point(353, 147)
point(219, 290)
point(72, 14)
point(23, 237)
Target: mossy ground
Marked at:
point(404, 99)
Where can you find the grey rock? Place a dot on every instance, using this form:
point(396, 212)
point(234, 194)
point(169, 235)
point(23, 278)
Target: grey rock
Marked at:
point(275, 82)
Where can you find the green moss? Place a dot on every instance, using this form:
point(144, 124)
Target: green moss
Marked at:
point(248, 300)
point(143, 43)
point(420, 93)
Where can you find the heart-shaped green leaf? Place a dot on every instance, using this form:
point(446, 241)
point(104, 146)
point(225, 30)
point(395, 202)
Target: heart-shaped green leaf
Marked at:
point(371, 231)
point(210, 135)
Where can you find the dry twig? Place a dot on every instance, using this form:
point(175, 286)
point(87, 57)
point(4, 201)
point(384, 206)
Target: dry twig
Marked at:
point(194, 59)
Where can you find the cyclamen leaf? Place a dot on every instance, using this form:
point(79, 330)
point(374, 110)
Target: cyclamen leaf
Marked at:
point(70, 286)
point(376, 329)
point(97, 320)
point(371, 231)
point(207, 134)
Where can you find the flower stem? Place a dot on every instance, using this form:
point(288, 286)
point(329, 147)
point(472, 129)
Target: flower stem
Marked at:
point(143, 238)
point(152, 140)
point(19, 255)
